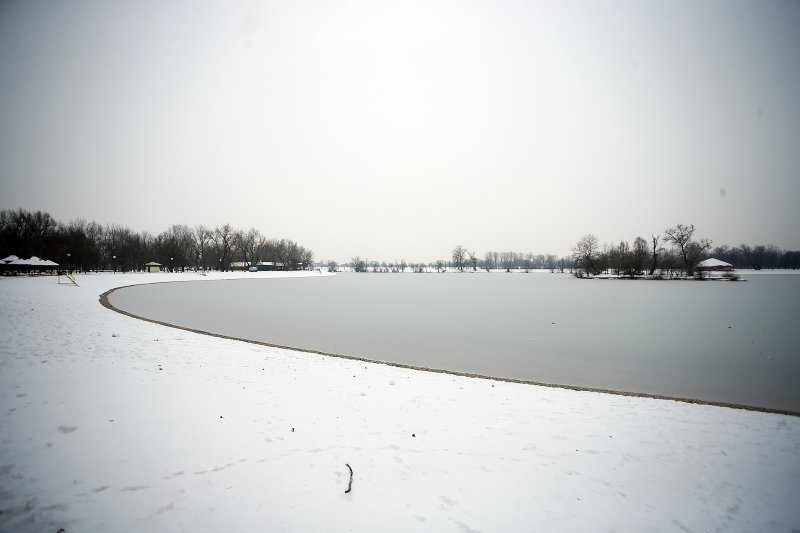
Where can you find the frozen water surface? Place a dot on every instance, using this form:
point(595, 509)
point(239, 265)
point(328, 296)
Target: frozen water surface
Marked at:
point(718, 341)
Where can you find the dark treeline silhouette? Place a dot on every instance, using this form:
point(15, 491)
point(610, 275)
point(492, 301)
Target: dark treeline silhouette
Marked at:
point(757, 257)
point(674, 253)
point(88, 246)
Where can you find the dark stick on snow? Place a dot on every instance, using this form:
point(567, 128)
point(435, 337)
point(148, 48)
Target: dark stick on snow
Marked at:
point(349, 485)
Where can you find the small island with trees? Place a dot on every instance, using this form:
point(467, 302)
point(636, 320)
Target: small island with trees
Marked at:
point(648, 259)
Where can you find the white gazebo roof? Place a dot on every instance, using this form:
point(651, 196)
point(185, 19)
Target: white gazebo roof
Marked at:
point(713, 263)
point(33, 261)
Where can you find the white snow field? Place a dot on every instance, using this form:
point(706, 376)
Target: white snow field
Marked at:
point(108, 423)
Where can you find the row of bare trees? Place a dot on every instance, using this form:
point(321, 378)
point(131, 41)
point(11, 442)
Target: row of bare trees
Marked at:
point(492, 260)
point(462, 259)
point(87, 246)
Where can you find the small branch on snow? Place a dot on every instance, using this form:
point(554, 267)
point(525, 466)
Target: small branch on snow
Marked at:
point(349, 485)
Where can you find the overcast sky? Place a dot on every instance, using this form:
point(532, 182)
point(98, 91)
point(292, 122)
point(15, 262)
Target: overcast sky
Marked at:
point(397, 130)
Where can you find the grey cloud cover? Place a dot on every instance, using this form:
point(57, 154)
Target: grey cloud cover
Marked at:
point(399, 129)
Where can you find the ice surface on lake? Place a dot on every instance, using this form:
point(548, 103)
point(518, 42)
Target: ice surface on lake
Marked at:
point(720, 341)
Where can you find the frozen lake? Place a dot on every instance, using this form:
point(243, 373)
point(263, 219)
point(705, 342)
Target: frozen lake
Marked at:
point(718, 341)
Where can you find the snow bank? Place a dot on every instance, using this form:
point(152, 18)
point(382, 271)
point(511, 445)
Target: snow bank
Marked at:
point(115, 424)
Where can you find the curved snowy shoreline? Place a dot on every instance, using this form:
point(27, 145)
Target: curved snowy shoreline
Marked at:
point(104, 300)
point(115, 424)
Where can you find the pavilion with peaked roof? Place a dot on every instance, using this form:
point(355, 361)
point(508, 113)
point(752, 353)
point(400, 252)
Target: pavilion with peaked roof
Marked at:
point(34, 264)
point(713, 265)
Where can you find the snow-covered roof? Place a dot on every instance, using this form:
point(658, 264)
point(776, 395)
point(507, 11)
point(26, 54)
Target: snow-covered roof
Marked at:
point(713, 263)
point(152, 264)
point(33, 261)
point(10, 258)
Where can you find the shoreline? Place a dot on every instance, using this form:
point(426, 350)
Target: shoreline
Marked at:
point(103, 300)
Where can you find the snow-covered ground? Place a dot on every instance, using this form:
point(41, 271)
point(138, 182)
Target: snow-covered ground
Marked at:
point(109, 423)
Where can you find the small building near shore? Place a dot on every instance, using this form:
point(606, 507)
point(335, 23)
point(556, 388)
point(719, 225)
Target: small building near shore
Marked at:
point(268, 265)
point(260, 266)
point(713, 265)
point(34, 265)
point(152, 266)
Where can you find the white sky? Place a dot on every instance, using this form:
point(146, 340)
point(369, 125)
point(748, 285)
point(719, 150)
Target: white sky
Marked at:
point(400, 129)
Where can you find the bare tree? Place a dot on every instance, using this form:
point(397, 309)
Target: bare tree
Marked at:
point(638, 256)
point(655, 251)
point(585, 253)
point(756, 255)
point(288, 254)
point(488, 261)
point(681, 238)
point(459, 255)
point(175, 247)
point(551, 263)
point(439, 265)
point(249, 243)
point(528, 261)
point(306, 258)
point(223, 241)
point(617, 257)
point(669, 263)
point(202, 238)
point(473, 258)
point(358, 264)
point(508, 260)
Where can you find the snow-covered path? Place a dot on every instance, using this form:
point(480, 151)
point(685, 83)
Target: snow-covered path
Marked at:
point(108, 423)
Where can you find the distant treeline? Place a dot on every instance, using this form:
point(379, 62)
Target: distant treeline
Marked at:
point(87, 246)
point(675, 252)
point(468, 260)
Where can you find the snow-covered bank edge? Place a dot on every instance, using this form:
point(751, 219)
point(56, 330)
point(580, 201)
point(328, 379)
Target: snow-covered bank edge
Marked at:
point(104, 301)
